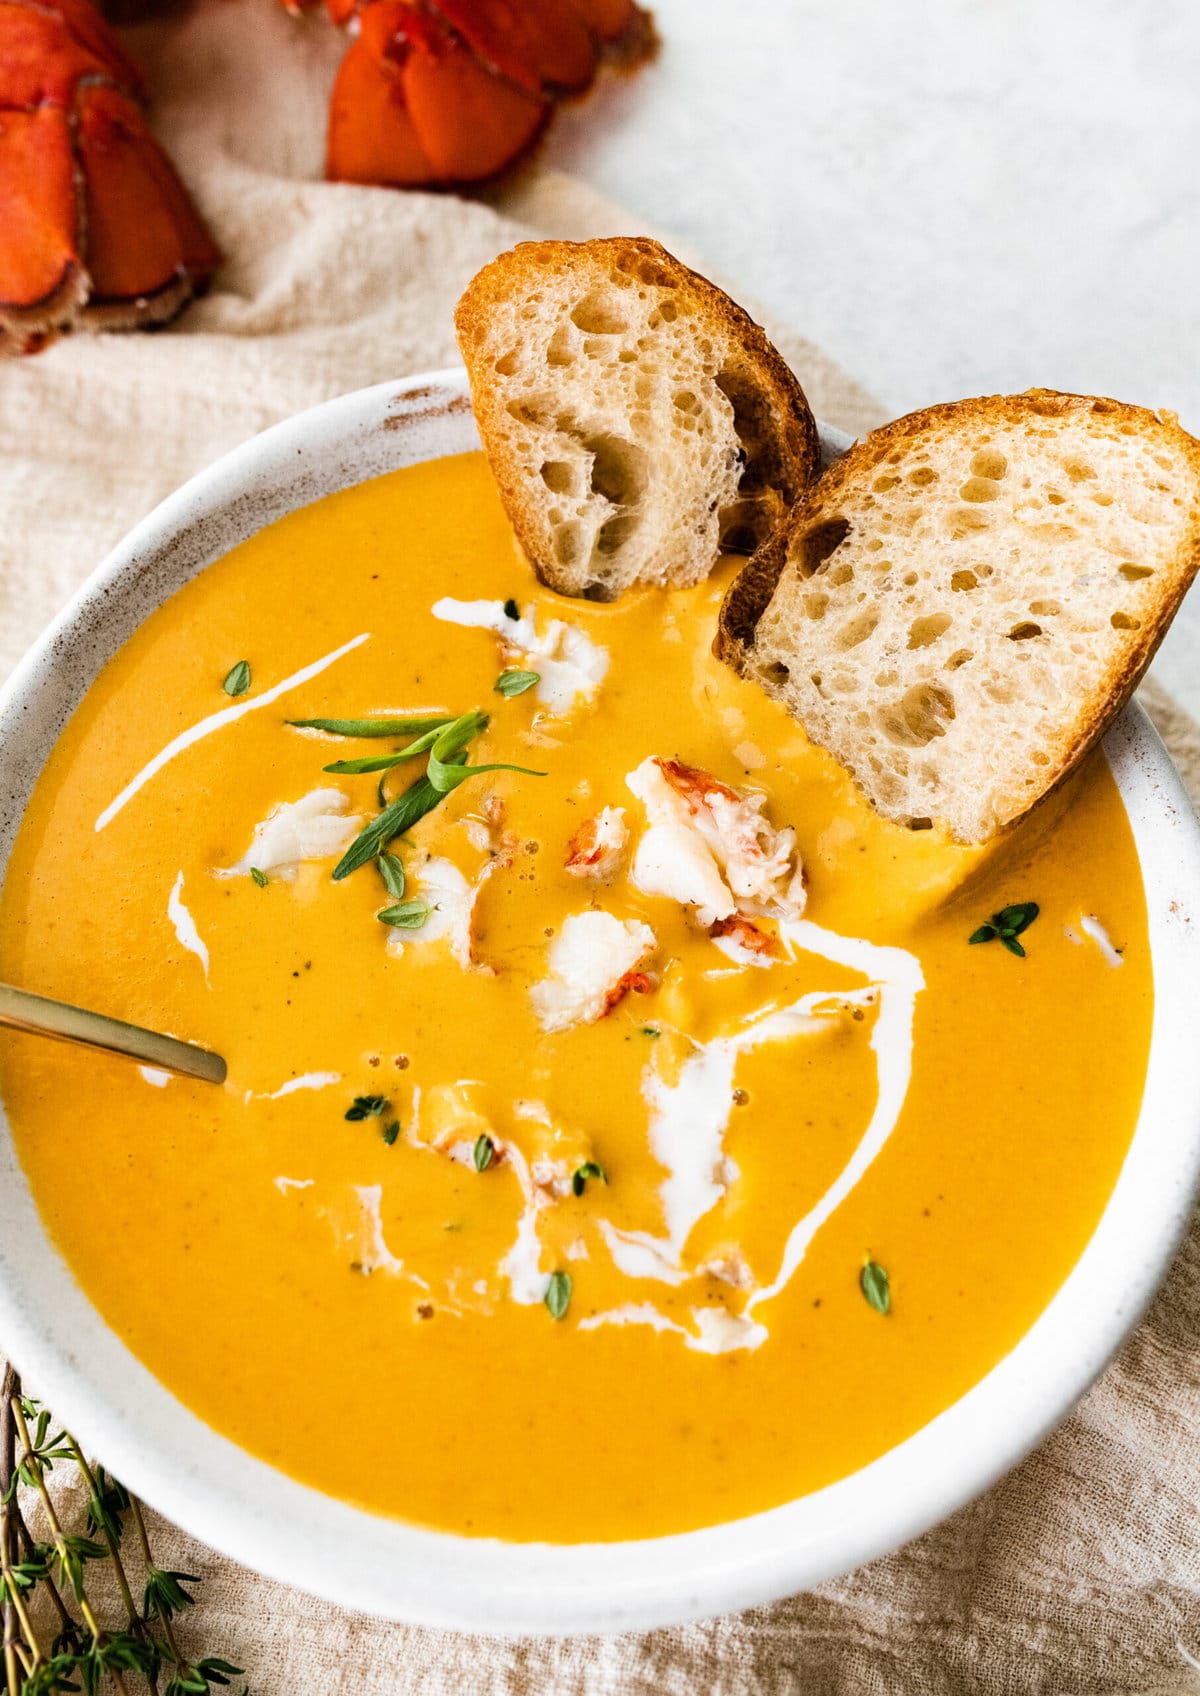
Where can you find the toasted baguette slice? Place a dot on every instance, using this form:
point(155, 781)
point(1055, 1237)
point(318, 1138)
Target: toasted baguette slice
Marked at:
point(636, 420)
point(958, 608)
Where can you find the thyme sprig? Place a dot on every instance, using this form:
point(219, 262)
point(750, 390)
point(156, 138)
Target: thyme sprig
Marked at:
point(1007, 925)
point(84, 1655)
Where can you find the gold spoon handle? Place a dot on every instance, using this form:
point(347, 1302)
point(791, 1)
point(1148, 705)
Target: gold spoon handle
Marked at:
point(22, 1011)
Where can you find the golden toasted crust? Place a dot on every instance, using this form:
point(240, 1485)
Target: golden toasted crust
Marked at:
point(768, 400)
point(814, 526)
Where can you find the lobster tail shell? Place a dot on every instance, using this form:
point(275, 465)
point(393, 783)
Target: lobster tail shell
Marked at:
point(439, 92)
point(609, 20)
point(414, 106)
point(42, 279)
point(540, 45)
point(96, 230)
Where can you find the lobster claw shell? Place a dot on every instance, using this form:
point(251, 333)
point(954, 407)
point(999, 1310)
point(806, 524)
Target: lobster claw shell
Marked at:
point(96, 230)
point(439, 92)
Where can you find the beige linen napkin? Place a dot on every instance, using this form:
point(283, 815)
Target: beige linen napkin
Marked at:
point(1076, 1575)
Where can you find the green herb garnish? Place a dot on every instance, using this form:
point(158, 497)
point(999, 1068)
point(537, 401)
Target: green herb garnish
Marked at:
point(397, 817)
point(88, 1650)
point(367, 1107)
point(392, 873)
point(558, 1294)
point(876, 1285)
point(1007, 925)
point(165, 1595)
point(260, 878)
point(385, 762)
point(391, 1131)
point(651, 1031)
point(482, 1153)
point(447, 768)
point(201, 1676)
point(510, 683)
point(409, 915)
point(238, 680)
point(370, 726)
point(589, 1169)
point(511, 609)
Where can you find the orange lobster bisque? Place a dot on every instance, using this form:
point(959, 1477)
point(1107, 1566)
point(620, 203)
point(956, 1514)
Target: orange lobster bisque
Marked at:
point(583, 1186)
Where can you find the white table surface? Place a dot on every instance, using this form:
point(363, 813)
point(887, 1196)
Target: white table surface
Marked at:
point(952, 198)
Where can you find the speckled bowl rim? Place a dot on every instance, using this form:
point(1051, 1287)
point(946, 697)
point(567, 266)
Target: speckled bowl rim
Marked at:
point(244, 1507)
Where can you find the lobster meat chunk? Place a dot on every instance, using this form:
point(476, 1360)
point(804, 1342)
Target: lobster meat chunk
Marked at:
point(441, 92)
point(96, 229)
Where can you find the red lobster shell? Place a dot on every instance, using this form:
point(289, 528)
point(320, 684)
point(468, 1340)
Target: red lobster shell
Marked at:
point(96, 229)
point(432, 94)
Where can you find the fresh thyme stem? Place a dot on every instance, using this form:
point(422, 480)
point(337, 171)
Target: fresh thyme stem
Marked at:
point(135, 1507)
point(30, 1550)
point(60, 1542)
point(81, 1649)
point(136, 1623)
point(14, 1648)
point(15, 1609)
point(8, 1455)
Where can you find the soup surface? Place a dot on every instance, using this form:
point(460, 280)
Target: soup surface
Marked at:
point(582, 1185)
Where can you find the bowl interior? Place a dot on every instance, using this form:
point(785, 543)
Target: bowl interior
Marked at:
point(245, 1508)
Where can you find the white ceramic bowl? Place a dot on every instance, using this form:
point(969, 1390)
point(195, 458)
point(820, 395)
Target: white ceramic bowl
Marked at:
point(244, 1507)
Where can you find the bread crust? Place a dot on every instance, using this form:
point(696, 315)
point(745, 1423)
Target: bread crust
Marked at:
point(752, 590)
point(795, 456)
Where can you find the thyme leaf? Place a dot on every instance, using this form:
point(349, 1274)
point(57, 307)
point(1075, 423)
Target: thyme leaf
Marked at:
point(113, 1653)
point(510, 683)
point(589, 1169)
point(366, 1107)
point(391, 1131)
point(108, 1501)
point(392, 872)
point(482, 1153)
point(876, 1286)
point(199, 1678)
point(259, 877)
point(237, 680)
point(408, 915)
point(68, 1556)
point(165, 1595)
point(558, 1294)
